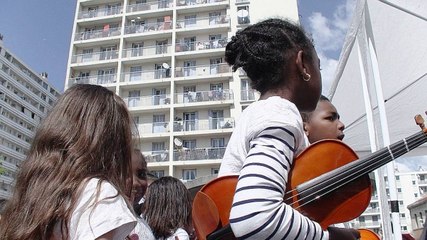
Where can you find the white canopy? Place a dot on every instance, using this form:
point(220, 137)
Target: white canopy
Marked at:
point(379, 83)
point(397, 34)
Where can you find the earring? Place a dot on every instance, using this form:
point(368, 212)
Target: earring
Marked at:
point(306, 77)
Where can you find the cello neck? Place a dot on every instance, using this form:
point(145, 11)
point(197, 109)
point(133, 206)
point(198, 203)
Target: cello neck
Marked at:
point(340, 176)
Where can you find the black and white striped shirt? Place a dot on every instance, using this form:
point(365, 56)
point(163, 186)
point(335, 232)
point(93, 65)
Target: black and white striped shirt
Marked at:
point(261, 150)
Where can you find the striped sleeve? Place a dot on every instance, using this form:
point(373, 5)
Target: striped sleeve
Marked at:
point(258, 210)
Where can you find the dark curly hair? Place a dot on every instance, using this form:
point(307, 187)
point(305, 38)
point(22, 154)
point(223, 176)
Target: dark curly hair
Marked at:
point(263, 49)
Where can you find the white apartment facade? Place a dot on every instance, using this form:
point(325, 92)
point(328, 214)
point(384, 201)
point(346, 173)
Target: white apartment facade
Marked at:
point(411, 186)
point(165, 58)
point(25, 98)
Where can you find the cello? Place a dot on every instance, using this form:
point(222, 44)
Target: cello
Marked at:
point(338, 190)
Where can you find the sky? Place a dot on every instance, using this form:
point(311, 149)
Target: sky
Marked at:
point(38, 32)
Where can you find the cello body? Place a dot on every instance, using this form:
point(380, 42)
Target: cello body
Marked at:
point(338, 205)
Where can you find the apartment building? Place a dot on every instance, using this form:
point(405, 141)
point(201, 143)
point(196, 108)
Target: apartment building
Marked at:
point(411, 186)
point(25, 98)
point(165, 58)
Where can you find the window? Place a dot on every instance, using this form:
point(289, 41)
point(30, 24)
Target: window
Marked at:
point(106, 76)
point(214, 171)
point(190, 21)
point(189, 44)
point(189, 174)
point(189, 94)
point(159, 96)
point(190, 121)
point(162, 47)
point(214, 65)
point(158, 173)
point(108, 53)
point(216, 119)
point(83, 77)
point(243, 15)
point(133, 99)
point(214, 18)
point(87, 55)
point(137, 49)
point(190, 144)
point(135, 73)
point(246, 92)
point(159, 124)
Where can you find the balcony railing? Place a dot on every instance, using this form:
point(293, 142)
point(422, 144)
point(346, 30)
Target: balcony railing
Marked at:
point(182, 46)
point(94, 34)
point(155, 127)
point(96, 56)
point(202, 70)
point(147, 101)
point(101, 12)
point(147, 27)
point(157, 156)
point(195, 2)
point(204, 96)
point(202, 22)
point(146, 51)
point(247, 95)
point(203, 124)
point(97, 79)
point(198, 154)
point(155, 5)
point(146, 75)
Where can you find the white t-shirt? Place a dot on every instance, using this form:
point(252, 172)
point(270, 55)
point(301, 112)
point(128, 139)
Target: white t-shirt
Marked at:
point(90, 220)
point(142, 231)
point(180, 233)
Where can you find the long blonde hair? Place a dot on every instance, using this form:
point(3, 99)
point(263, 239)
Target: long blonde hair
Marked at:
point(86, 135)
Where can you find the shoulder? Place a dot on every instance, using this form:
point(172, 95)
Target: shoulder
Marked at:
point(100, 210)
point(273, 111)
point(142, 230)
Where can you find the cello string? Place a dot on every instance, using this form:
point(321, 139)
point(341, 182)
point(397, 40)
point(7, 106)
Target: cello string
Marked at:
point(356, 174)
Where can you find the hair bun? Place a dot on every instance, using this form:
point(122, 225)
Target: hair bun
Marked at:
point(232, 51)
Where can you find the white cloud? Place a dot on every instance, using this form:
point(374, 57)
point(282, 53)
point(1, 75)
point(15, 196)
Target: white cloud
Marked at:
point(329, 35)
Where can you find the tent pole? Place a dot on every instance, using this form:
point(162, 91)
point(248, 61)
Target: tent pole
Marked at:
point(379, 175)
point(386, 141)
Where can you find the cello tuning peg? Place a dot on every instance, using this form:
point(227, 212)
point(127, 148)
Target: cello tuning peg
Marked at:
point(420, 122)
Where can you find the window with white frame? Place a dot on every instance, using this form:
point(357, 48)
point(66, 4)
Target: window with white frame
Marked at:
point(189, 174)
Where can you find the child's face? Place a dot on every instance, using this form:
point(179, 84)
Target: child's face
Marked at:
point(324, 123)
point(139, 174)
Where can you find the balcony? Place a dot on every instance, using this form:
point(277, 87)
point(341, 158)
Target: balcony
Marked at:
point(148, 101)
point(97, 79)
point(147, 27)
point(149, 6)
point(202, 70)
point(203, 124)
point(95, 57)
point(196, 154)
point(153, 128)
point(206, 22)
point(180, 3)
point(182, 46)
point(101, 12)
point(204, 96)
point(96, 34)
point(157, 156)
point(146, 76)
point(146, 51)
